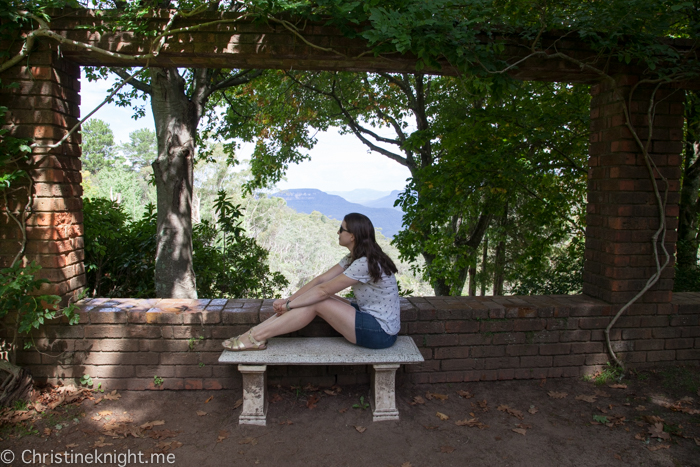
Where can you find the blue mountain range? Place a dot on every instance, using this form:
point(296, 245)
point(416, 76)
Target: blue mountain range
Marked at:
point(307, 200)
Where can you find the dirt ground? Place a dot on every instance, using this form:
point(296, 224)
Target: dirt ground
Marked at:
point(654, 420)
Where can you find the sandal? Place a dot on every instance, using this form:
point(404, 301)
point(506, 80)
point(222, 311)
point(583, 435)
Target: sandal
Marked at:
point(234, 344)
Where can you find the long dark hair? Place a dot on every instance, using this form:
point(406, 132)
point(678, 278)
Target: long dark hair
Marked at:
point(366, 246)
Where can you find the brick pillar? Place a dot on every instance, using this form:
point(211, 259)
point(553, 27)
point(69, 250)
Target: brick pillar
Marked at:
point(622, 212)
point(44, 107)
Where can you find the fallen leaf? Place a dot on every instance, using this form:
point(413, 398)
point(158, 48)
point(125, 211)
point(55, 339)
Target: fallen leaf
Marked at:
point(98, 400)
point(640, 408)
point(237, 404)
point(585, 398)
point(659, 446)
point(360, 429)
point(472, 423)
point(465, 394)
point(430, 427)
point(524, 426)
point(71, 446)
point(343, 410)
point(557, 395)
point(600, 393)
point(101, 443)
point(417, 400)
point(431, 395)
point(285, 422)
point(113, 396)
point(519, 431)
point(165, 446)
point(163, 434)
point(275, 398)
point(617, 456)
point(330, 393)
point(442, 416)
point(484, 405)
point(543, 381)
point(47, 431)
point(686, 400)
point(447, 449)
point(201, 413)
point(310, 388)
point(640, 437)
point(532, 410)
point(222, 436)
point(516, 413)
point(618, 386)
point(104, 413)
point(657, 431)
point(209, 399)
point(249, 440)
point(311, 401)
point(149, 425)
point(697, 441)
point(652, 419)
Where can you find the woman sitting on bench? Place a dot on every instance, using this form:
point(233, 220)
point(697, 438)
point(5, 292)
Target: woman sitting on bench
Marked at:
point(372, 321)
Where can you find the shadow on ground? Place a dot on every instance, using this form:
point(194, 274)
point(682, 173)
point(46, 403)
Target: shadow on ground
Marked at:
point(648, 418)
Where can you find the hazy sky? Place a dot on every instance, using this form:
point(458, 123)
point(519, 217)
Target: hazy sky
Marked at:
point(338, 163)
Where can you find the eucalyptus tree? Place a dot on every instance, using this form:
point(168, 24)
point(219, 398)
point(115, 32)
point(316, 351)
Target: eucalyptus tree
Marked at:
point(179, 100)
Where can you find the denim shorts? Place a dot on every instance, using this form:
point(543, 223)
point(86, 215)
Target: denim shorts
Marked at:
point(369, 333)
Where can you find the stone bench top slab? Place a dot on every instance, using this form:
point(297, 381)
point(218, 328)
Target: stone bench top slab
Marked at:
point(324, 351)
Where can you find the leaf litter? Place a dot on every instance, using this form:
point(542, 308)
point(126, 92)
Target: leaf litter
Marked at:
point(516, 413)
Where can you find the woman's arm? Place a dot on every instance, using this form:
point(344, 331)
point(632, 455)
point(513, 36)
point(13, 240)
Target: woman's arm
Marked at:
point(335, 271)
point(321, 292)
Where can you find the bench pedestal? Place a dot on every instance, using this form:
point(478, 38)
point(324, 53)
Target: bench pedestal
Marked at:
point(321, 351)
point(254, 410)
point(383, 397)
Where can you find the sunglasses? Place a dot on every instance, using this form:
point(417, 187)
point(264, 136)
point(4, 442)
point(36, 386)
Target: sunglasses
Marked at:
point(341, 230)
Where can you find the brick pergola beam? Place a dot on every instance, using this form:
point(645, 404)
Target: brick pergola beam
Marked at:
point(244, 44)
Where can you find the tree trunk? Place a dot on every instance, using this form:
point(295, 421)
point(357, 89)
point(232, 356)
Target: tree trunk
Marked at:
point(176, 119)
point(500, 261)
point(484, 257)
point(472, 281)
point(689, 205)
point(15, 383)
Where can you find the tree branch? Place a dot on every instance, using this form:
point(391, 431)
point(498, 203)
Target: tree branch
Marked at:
point(136, 83)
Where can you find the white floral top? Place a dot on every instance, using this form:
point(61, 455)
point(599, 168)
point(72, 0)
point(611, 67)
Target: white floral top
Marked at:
point(379, 299)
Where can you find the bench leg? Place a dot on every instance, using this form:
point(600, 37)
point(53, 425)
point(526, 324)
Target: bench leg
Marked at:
point(254, 395)
point(383, 397)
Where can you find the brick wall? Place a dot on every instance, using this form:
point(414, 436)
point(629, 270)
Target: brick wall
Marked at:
point(44, 107)
point(622, 214)
point(124, 343)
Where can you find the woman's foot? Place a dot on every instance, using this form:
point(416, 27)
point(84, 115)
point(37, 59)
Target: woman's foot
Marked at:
point(245, 341)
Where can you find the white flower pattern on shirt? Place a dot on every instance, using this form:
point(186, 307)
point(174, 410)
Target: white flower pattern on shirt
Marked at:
point(379, 299)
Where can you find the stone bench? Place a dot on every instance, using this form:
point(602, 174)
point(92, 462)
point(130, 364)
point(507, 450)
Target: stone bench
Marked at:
point(321, 351)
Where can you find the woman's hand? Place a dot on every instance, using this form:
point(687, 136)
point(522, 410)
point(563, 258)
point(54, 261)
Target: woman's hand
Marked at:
point(280, 305)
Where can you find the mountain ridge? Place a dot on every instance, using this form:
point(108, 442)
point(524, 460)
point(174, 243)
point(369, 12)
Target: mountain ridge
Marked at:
point(307, 200)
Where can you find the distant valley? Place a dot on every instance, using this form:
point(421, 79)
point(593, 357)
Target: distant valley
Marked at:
point(376, 205)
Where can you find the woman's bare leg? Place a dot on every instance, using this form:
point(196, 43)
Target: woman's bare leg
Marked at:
point(338, 314)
